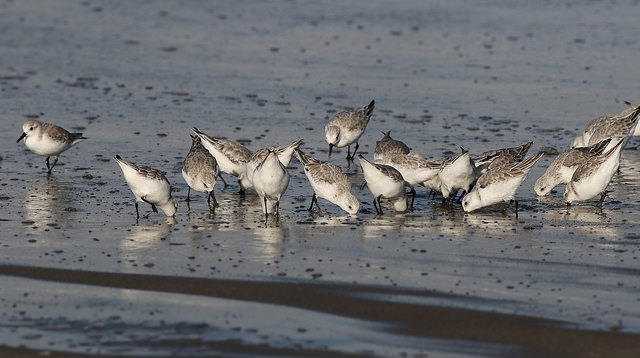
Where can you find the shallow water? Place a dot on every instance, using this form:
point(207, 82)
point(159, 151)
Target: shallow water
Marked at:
point(79, 275)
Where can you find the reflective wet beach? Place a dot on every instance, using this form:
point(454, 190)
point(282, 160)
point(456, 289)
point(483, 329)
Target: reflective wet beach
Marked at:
point(80, 276)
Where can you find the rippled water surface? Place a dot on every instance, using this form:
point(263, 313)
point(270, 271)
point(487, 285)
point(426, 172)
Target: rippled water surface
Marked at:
point(79, 275)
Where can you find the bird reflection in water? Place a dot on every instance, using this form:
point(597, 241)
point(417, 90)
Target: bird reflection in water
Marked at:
point(269, 238)
point(380, 225)
point(148, 235)
point(588, 220)
point(47, 203)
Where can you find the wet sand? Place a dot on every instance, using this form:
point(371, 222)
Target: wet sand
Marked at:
point(397, 318)
point(80, 277)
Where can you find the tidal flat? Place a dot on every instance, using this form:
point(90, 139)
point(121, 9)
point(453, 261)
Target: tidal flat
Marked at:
point(81, 278)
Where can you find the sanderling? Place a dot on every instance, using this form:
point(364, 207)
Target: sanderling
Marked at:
point(562, 168)
point(499, 157)
point(458, 172)
point(621, 127)
point(388, 146)
point(232, 157)
point(593, 176)
point(200, 170)
point(384, 182)
point(434, 183)
point(346, 127)
point(148, 185)
point(414, 170)
point(270, 178)
point(583, 140)
point(48, 140)
point(328, 182)
point(499, 184)
point(284, 154)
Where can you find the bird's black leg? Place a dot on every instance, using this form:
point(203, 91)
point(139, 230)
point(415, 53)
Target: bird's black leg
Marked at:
point(355, 150)
point(461, 196)
point(413, 195)
point(452, 198)
point(602, 196)
point(153, 206)
point(266, 214)
point(188, 195)
point(55, 161)
point(380, 204)
point(215, 202)
point(137, 212)
point(313, 199)
point(223, 181)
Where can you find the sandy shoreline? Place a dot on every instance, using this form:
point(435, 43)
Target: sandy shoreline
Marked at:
point(534, 336)
point(80, 277)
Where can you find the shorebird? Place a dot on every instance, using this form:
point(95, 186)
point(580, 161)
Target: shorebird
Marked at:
point(284, 154)
point(270, 178)
point(384, 182)
point(48, 140)
point(499, 157)
point(621, 127)
point(562, 168)
point(456, 173)
point(232, 157)
point(388, 146)
point(328, 182)
point(414, 170)
point(499, 184)
point(200, 170)
point(346, 127)
point(593, 176)
point(583, 140)
point(148, 185)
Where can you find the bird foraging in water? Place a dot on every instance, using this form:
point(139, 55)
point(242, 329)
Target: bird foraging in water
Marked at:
point(148, 185)
point(271, 179)
point(384, 182)
point(346, 127)
point(284, 154)
point(622, 127)
point(328, 182)
point(605, 121)
point(389, 146)
point(499, 157)
point(48, 140)
point(456, 173)
point(414, 169)
point(232, 157)
point(199, 170)
point(499, 184)
point(593, 176)
point(565, 164)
